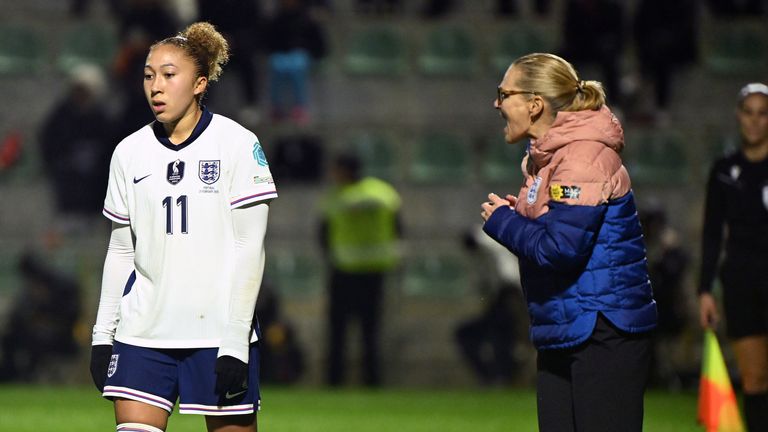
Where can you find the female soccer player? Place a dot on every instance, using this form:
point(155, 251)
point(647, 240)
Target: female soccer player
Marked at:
point(737, 198)
point(188, 197)
point(575, 230)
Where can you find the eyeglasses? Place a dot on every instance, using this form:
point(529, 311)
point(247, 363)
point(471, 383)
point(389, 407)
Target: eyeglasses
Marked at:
point(502, 94)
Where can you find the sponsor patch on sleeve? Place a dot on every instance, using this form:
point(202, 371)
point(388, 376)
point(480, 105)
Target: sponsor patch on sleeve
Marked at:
point(263, 179)
point(559, 192)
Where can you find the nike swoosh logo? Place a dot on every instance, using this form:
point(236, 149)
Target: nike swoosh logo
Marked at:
point(135, 180)
point(229, 395)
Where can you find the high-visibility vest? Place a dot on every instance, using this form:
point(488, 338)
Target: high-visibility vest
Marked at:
point(362, 232)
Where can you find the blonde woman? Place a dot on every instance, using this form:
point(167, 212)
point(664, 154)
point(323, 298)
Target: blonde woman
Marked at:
point(575, 231)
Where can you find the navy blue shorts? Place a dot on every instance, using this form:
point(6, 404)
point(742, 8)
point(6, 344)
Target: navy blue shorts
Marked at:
point(159, 377)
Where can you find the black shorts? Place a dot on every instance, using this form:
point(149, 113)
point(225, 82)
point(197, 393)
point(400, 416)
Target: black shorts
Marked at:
point(745, 299)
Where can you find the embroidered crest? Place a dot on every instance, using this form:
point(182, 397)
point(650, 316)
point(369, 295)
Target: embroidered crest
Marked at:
point(258, 154)
point(175, 171)
point(112, 365)
point(533, 190)
point(558, 192)
point(209, 171)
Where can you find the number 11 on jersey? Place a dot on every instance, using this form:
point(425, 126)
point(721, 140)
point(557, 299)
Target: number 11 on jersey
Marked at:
point(180, 202)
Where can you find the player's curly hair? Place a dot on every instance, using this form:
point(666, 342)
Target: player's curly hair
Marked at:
point(207, 48)
point(555, 80)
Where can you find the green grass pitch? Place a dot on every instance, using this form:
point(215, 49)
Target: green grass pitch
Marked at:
point(81, 409)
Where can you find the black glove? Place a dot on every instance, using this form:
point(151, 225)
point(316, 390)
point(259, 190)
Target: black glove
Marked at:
point(231, 376)
point(100, 357)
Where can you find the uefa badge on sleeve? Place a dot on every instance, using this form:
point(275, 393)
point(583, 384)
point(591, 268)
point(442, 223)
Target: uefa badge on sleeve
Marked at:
point(112, 365)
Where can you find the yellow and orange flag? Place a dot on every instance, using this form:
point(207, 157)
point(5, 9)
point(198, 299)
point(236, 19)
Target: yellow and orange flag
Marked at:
point(718, 410)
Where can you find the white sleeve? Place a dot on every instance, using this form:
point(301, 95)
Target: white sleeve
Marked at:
point(115, 203)
point(118, 273)
point(250, 226)
point(251, 180)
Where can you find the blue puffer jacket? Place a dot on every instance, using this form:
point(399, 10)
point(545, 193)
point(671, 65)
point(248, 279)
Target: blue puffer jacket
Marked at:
point(580, 246)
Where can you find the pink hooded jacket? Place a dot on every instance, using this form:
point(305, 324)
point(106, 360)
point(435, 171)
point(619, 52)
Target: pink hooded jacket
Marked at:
point(576, 162)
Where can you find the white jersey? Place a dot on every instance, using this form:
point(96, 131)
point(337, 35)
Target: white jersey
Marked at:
point(178, 200)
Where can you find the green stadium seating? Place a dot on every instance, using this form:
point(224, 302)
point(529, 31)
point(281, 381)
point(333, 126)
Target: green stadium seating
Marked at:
point(656, 157)
point(87, 43)
point(21, 51)
point(377, 152)
point(518, 40)
point(736, 47)
point(501, 161)
point(441, 158)
point(449, 51)
point(378, 51)
point(435, 275)
point(295, 274)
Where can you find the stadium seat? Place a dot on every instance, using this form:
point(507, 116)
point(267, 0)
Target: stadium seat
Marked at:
point(517, 40)
point(377, 153)
point(448, 51)
point(376, 52)
point(441, 158)
point(656, 157)
point(21, 51)
point(736, 47)
point(295, 274)
point(501, 161)
point(435, 275)
point(87, 43)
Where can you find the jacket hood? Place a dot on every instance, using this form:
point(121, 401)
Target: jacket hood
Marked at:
point(599, 126)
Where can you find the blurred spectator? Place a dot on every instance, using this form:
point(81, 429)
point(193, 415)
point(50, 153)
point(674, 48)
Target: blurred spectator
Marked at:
point(76, 142)
point(593, 34)
point(281, 357)
point(297, 158)
point(488, 342)
point(151, 17)
point(667, 266)
point(359, 234)
point(128, 69)
point(240, 21)
point(666, 40)
point(42, 321)
point(294, 41)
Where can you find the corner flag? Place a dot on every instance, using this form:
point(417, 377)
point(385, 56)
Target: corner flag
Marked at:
point(718, 410)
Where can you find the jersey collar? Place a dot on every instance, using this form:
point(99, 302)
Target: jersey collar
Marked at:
point(202, 124)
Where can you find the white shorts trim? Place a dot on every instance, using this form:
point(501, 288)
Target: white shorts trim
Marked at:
point(217, 410)
point(140, 396)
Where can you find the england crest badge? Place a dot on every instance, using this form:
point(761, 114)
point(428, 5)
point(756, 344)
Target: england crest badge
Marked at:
point(533, 191)
point(209, 171)
point(112, 365)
